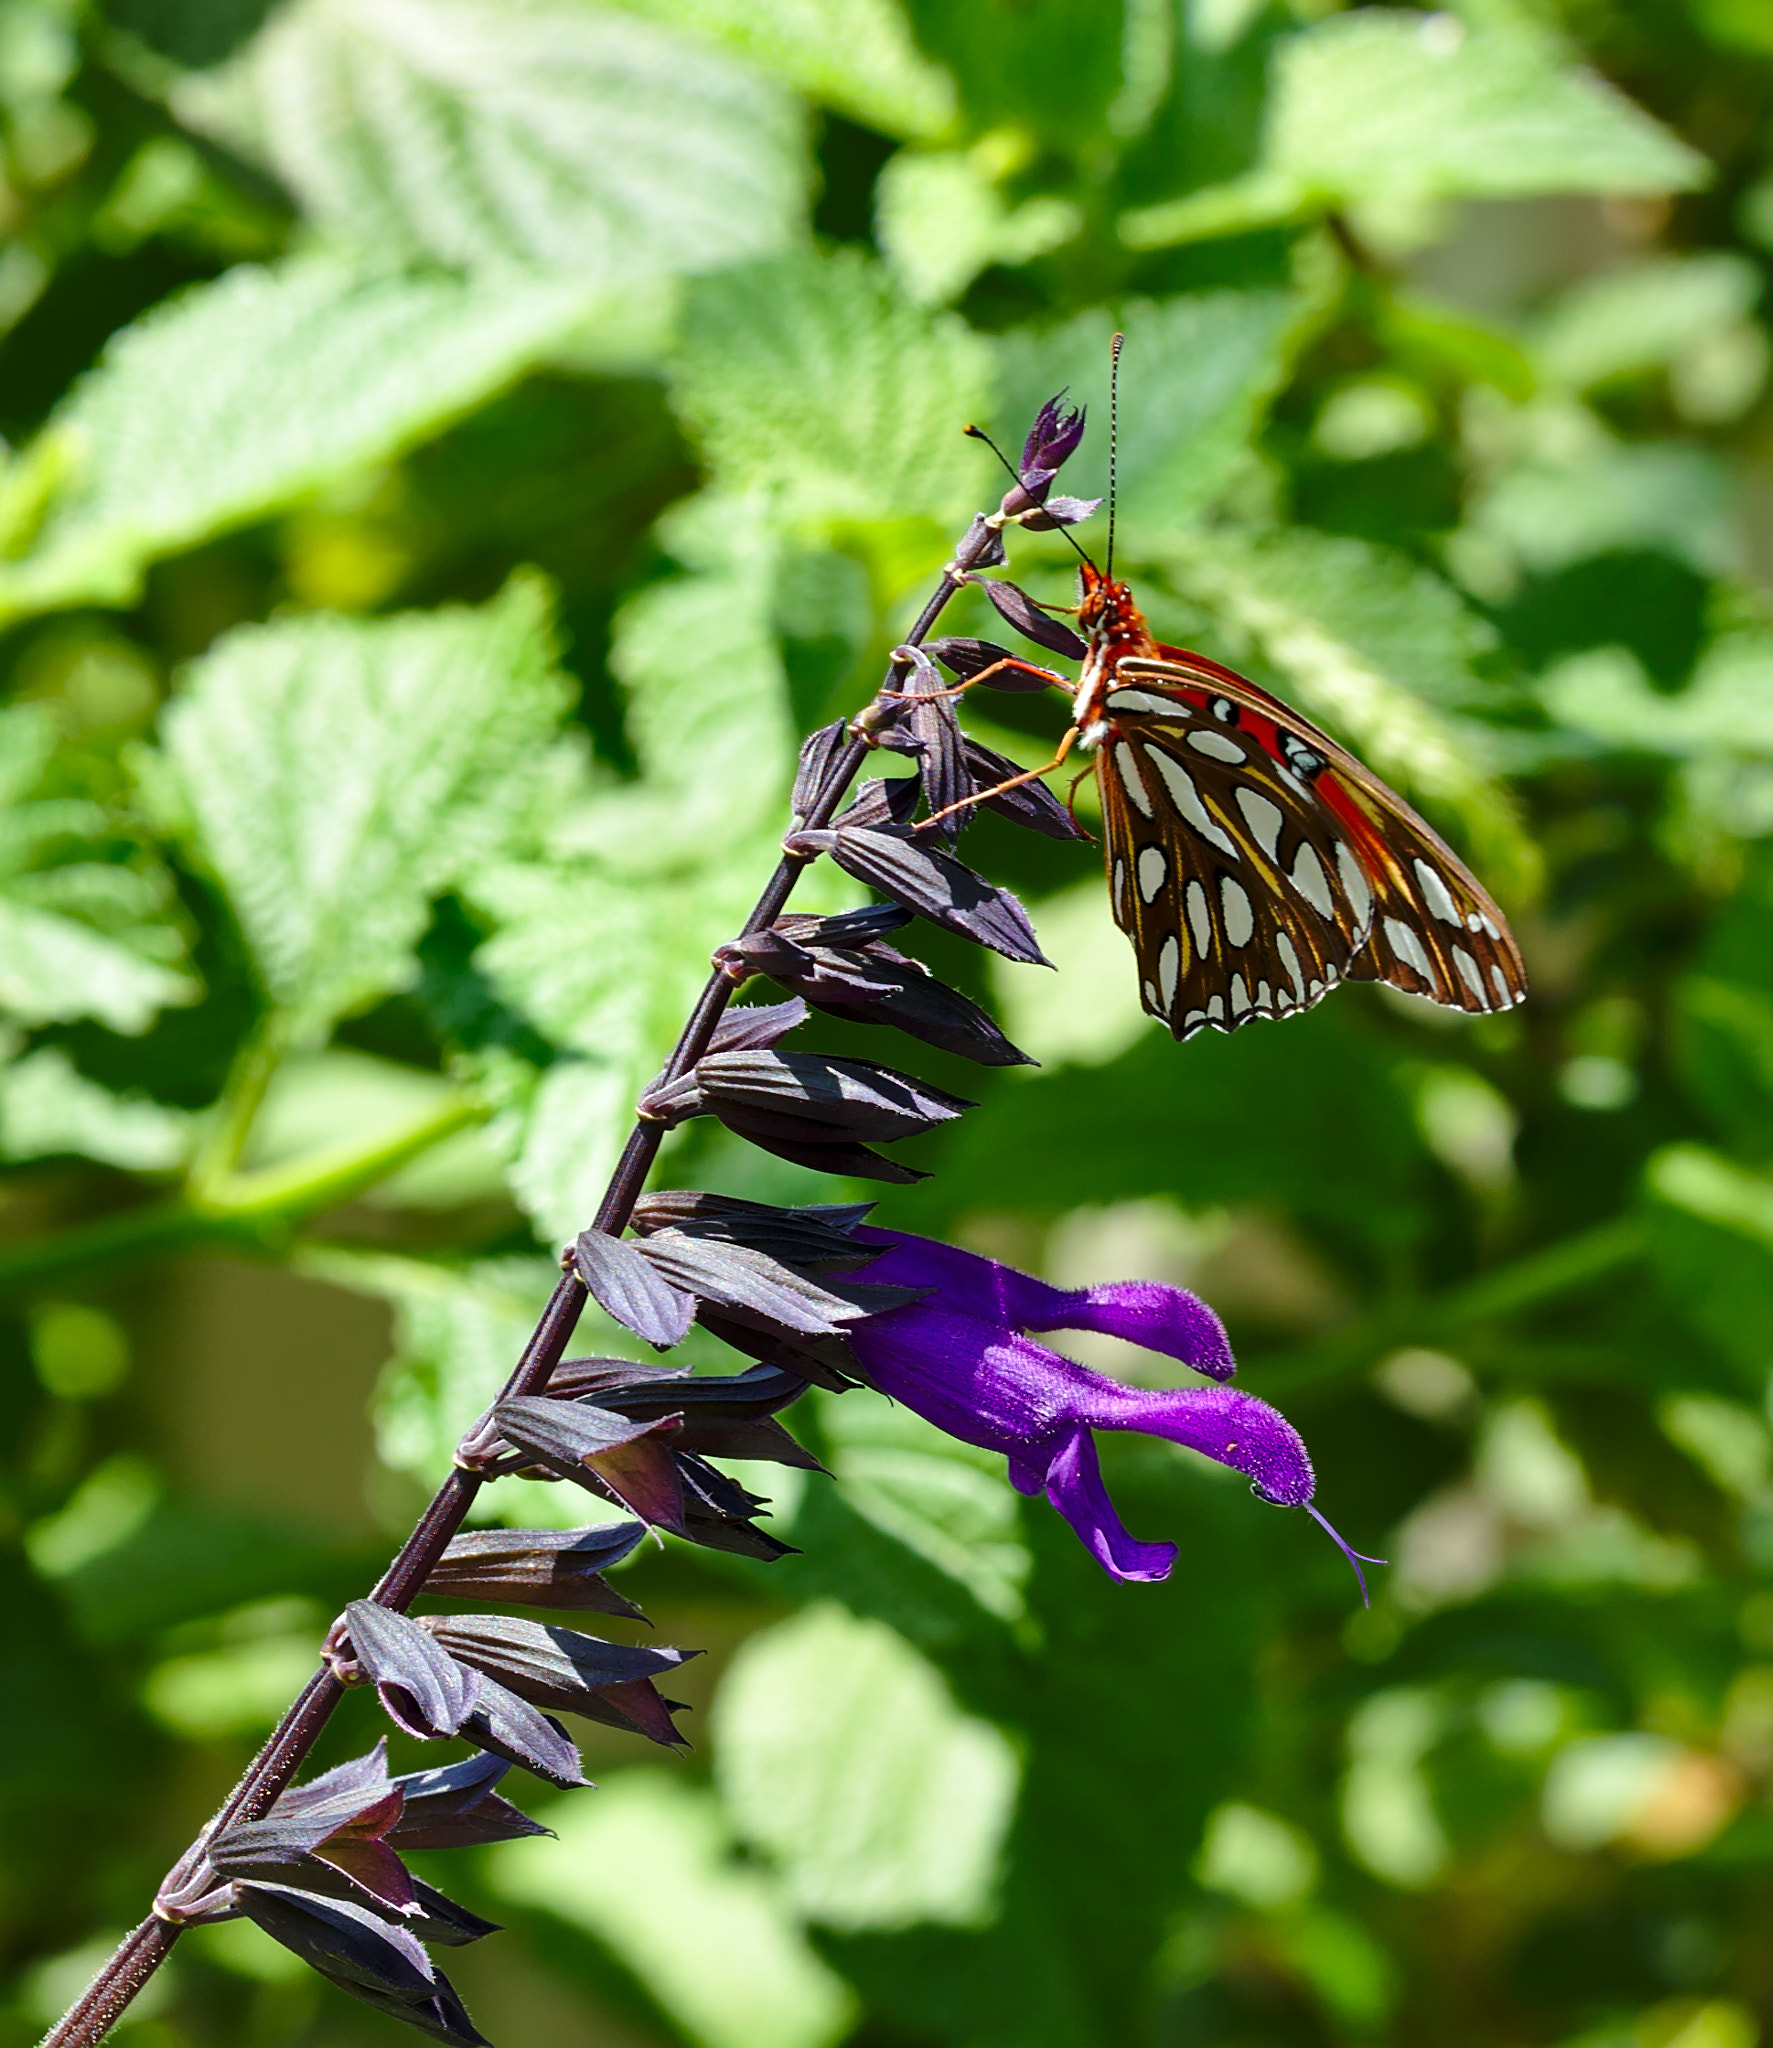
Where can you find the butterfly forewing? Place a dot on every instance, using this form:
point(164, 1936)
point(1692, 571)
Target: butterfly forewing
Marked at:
point(1253, 861)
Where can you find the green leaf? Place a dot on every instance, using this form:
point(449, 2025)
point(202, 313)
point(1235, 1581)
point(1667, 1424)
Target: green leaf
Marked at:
point(1726, 709)
point(458, 1335)
point(940, 219)
point(235, 398)
point(1712, 1244)
point(1199, 368)
point(336, 775)
point(814, 377)
point(855, 55)
point(1400, 108)
point(48, 1107)
point(726, 1959)
point(1350, 631)
point(916, 1834)
point(1643, 316)
point(500, 133)
point(941, 1498)
point(53, 970)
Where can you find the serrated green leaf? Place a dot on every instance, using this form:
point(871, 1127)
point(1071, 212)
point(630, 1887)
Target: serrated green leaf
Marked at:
point(336, 775)
point(53, 970)
point(855, 55)
point(815, 378)
point(501, 133)
point(237, 397)
point(1344, 628)
point(1198, 369)
point(1386, 106)
point(48, 1107)
point(914, 1836)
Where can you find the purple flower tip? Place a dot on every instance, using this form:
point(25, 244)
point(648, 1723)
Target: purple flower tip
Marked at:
point(962, 1359)
point(1053, 438)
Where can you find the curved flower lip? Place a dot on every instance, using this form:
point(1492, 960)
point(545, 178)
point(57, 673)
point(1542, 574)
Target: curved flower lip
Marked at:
point(960, 1357)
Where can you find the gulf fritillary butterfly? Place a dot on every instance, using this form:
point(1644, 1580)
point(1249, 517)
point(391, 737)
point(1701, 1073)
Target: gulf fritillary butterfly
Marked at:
point(1252, 861)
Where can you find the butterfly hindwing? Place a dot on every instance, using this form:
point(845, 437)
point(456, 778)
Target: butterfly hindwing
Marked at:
point(1242, 840)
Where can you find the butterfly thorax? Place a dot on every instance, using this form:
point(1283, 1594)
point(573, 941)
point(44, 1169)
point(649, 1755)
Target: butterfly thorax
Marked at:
point(1116, 630)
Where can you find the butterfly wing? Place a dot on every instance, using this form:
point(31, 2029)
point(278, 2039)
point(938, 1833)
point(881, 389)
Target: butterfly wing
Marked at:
point(1242, 843)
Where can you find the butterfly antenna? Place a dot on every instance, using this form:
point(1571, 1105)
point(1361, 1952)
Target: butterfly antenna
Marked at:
point(1356, 1558)
point(1114, 348)
point(979, 434)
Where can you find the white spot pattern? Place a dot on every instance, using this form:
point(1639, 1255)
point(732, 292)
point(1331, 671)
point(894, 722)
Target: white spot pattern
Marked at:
point(1154, 871)
point(1137, 700)
point(1216, 746)
point(1200, 918)
point(1186, 798)
point(1129, 775)
point(1408, 948)
point(1169, 967)
point(1311, 881)
point(1216, 1010)
point(1240, 919)
point(1354, 880)
point(1436, 893)
point(1240, 996)
point(1283, 945)
point(1472, 973)
point(1263, 818)
point(1501, 981)
point(1120, 889)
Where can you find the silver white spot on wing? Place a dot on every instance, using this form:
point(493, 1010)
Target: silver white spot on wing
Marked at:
point(1122, 907)
point(1187, 800)
point(1313, 989)
point(1137, 700)
point(1435, 892)
point(1283, 945)
point(1263, 818)
point(1470, 973)
point(1408, 947)
point(1216, 1010)
point(1151, 1001)
point(1354, 880)
point(1130, 777)
point(1264, 996)
point(1240, 919)
point(1200, 919)
point(1154, 871)
point(1501, 983)
point(1282, 1000)
point(1216, 746)
point(1489, 925)
point(1193, 1022)
point(1169, 967)
point(1311, 881)
point(1240, 996)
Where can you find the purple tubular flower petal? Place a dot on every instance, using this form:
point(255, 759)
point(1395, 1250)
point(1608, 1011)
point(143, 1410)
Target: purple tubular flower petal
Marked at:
point(883, 801)
point(423, 1690)
point(1148, 1312)
point(1014, 604)
point(1074, 1486)
point(756, 1027)
point(960, 1359)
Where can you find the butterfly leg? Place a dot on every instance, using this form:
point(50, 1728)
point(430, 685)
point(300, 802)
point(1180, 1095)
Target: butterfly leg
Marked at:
point(980, 796)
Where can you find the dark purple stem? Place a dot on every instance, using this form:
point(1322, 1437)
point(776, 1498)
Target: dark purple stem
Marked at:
point(142, 1951)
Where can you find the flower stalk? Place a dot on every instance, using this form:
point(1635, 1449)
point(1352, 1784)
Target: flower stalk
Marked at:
point(272, 1771)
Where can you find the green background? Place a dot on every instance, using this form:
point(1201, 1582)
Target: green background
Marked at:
point(454, 448)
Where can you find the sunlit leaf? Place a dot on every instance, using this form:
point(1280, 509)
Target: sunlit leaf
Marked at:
point(915, 1836)
point(816, 378)
point(1382, 104)
point(335, 776)
point(47, 1106)
point(526, 132)
point(237, 397)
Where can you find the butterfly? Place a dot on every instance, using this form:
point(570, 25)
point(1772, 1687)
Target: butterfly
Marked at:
point(1252, 861)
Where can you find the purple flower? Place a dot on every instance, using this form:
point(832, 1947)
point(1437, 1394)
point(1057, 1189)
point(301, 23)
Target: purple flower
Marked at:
point(962, 1359)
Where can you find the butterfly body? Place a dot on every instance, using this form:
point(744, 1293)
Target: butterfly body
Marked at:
point(1254, 862)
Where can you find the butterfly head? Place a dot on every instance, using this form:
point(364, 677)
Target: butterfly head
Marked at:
point(1109, 619)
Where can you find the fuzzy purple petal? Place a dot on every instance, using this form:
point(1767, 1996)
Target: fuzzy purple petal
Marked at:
point(1221, 1423)
point(1074, 1486)
point(1162, 1318)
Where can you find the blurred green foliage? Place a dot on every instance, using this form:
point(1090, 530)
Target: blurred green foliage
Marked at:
point(454, 447)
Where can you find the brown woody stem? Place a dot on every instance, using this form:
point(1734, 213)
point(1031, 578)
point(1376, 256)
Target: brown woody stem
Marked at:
point(143, 1950)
